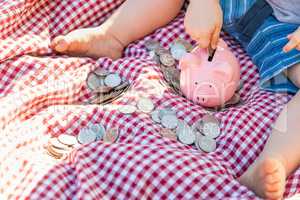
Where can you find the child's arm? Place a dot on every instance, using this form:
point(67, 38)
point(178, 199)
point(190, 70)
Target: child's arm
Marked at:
point(203, 21)
point(294, 41)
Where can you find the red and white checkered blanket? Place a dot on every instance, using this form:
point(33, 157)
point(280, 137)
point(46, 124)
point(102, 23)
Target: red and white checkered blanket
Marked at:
point(41, 94)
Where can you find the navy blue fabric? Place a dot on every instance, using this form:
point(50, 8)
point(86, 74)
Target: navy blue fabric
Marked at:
point(265, 48)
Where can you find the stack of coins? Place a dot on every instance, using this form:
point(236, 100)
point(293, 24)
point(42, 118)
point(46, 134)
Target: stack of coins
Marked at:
point(168, 59)
point(208, 129)
point(144, 105)
point(59, 147)
point(107, 86)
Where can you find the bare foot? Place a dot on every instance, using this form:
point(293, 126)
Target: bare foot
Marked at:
point(89, 42)
point(266, 179)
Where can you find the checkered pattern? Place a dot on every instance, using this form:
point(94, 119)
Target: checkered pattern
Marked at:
point(42, 94)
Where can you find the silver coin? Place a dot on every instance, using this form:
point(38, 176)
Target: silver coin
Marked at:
point(178, 50)
point(186, 44)
point(101, 72)
point(98, 129)
point(151, 45)
point(111, 136)
point(68, 140)
point(154, 56)
point(166, 111)
point(160, 51)
point(186, 134)
point(145, 105)
point(127, 109)
point(167, 60)
point(210, 126)
point(93, 81)
point(169, 121)
point(155, 116)
point(112, 80)
point(86, 136)
point(206, 144)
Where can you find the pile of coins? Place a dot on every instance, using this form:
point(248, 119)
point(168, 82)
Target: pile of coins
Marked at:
point(203, 133)
point(59, 147)
point(168, 59)
point(107, 86)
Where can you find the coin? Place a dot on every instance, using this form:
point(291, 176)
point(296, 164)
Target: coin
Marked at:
point(166, 111)
point(211, 126)
point(98, 129)
point(169, 121)
point(54, 142)
point(53, 152)
point(101, 72)
point(145, 105)
point(186, 134)
point(127, 109)
point(167, 60)
point(178, 50)
point(167, 133)
point(154, 56)
point(68, 140)
point(155, 116)
point(103, 89)
point(112, 80)
point(151, 45)
point(86, 136)
point(92, 81)
point(122, 86)
point(111, 136)
point(160, 51)
point(186, 44)
point(206, 144)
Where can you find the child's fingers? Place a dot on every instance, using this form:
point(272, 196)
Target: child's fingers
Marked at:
point(290, 45)
point(215, 37)
point(203, 40)
point(298, 47)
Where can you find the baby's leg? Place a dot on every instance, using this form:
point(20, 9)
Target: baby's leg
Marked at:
point(281, 155)
point(133, 20)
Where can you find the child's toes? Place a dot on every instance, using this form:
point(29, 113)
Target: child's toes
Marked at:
point(59, 44)
point(274, 195)
point(273, 178)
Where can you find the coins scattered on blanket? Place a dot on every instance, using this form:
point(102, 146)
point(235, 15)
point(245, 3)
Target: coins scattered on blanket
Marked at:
point(144, 105)
point(202, 134)
point(107, 86)
point(59, 147)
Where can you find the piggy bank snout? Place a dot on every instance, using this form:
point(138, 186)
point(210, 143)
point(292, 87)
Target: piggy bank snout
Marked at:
point(206, 93)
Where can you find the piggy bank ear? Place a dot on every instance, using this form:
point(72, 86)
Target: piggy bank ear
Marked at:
point(223, 72)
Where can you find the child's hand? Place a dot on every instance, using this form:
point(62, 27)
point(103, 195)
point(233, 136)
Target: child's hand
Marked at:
point(294, 41)
point(203, 21)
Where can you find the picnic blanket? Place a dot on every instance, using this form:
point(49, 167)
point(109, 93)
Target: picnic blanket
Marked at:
point(42, 95)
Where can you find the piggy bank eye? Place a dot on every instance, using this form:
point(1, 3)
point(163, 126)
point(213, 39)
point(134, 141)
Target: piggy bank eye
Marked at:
point(210, 86)
point(196, 83)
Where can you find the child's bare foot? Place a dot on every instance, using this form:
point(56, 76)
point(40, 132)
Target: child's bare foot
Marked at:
point(266, 179)
point(89, 42)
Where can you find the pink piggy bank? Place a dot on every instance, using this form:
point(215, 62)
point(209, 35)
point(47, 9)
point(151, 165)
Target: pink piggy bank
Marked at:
point(206, 83)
